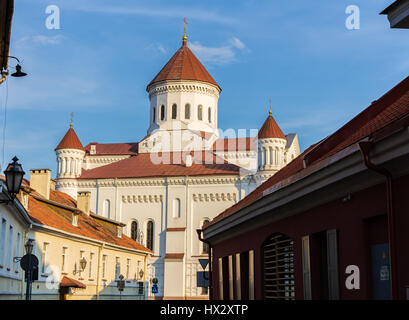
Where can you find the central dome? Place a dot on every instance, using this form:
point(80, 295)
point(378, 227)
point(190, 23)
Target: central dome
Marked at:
point(183, 66)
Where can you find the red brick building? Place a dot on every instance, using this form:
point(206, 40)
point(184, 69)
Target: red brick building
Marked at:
point(332, 224)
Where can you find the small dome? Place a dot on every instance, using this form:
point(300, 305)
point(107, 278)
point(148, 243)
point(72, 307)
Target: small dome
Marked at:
point(270, 129)
point(70, 141)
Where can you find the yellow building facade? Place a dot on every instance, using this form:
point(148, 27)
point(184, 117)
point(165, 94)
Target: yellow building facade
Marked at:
point(80, 255)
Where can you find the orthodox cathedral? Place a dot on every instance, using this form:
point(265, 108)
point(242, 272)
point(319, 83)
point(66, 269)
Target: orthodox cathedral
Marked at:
point(181, 175)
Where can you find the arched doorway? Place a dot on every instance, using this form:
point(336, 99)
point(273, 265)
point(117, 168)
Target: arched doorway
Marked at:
point(278, 268)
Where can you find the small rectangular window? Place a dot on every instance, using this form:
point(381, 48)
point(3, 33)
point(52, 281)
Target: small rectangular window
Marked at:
point(2, 240)
point(17, 250)
point(44, 258)
point(117, 267)
point(91, 265)
point(128, 266)
point(104, 266)
point(64, 259)
point(10, 248)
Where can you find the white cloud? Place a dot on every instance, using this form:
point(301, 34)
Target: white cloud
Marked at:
point(235, 42)
point(39, 40)
point(218, 55)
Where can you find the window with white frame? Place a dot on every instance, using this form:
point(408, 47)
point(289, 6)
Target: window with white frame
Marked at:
point(117, 267)
point(17, 250)
point(64, 259)
point(128, 267)
point(44, 259)
point(107, 209)
point(91, 265)
point(134, 230)
point(138, 270)
point(82, 253)
point(2, 240)
point(104, 266)
point(10, 248)
point(149, 235)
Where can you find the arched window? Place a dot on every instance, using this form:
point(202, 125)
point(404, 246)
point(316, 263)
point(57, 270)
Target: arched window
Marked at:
point(174, 111)
point(271, 155)
point(176, 208)
point(209, 114)
point(278, 268)
point(134, 230)
point(264, 156)
point(107, 209)
point(199, 112)
point(154, 114)
point(205, 248)
point(149, 235)
point(187, 111)
point(162, 112)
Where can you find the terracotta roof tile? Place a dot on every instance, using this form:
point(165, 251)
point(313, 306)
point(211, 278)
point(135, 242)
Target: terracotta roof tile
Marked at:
point(235, 144)
point(183, 66)
point(390, 108)
point(141, 165)
point(70, 141)
point(68, 282)
point(270, 129)
point(113, 148)
point(49, 214)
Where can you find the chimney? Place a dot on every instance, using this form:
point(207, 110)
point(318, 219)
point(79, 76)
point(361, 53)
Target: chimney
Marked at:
point(40, 181)
point(83, 201)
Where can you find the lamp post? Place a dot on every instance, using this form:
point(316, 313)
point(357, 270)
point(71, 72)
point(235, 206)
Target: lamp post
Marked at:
point(14, 177)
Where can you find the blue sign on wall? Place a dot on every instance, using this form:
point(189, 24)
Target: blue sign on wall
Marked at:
point(202, 279)
point(155, 288)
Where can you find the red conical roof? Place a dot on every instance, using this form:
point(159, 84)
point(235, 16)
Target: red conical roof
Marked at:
point(183, 66)
point(270, 129)
point(70, 141)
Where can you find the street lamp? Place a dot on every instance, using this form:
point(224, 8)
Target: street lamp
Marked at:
point(14, 177)
point(29, 246)
point(29, 263)
point(18, 72)
point(83, 264)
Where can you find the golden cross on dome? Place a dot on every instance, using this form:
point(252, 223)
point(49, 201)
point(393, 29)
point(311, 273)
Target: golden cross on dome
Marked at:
point(269, 111)
point(184, 32)
point(72, 118)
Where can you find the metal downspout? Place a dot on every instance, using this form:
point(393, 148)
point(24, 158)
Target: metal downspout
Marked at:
point(365, 147)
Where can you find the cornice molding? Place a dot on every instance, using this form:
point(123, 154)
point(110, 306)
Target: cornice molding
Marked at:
point(193, 87)
point(142, 198)
point(213, 197)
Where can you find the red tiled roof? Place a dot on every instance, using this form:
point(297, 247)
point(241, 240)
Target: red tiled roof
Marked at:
point(49, 214)
point(142, 165)
point(68, 282)
point(235, 144)
point(270, 129)
point(70, 141)
point(113, 148)
point(391, 107)
point(183, 66)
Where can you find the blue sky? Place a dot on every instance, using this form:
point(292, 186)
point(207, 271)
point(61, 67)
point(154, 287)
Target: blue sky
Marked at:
point(318, 73)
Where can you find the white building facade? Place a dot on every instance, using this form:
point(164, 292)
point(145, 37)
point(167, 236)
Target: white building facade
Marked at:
point(178, 177)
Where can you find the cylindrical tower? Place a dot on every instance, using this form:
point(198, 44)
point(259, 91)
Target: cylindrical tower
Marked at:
point(70, 156)
point(183, 95)
point(271, 146)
